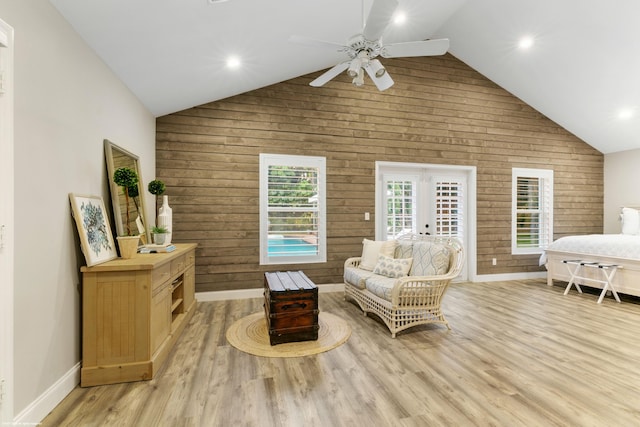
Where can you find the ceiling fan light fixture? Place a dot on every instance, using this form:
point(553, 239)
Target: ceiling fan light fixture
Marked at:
point(354, 67)
point(377, 67)
point(359, 79)
point(362, 48)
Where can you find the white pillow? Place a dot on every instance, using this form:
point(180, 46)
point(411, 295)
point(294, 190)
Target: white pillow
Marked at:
point(371, 249)
point(630, 221)
point(391, 267)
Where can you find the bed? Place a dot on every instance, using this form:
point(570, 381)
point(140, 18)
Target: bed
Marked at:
point(620, 249)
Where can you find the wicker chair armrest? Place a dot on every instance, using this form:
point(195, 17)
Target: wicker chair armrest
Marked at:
point(352, 262)
point(420, 290)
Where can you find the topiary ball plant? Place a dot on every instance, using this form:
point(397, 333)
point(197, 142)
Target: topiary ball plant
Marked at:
point(126, 178)
point(156, 187)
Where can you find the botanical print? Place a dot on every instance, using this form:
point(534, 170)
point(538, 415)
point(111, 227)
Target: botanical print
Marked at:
point(95, 226)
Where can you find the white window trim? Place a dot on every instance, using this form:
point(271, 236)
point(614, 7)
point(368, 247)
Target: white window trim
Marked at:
point(291, 160)
point(547, 200)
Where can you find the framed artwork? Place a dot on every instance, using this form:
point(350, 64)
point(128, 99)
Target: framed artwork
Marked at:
point(96, 239)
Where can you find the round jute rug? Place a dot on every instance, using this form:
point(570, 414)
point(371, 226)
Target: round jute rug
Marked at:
point(250, 335)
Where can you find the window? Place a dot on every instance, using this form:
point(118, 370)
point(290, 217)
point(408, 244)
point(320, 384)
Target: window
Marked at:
point(292, 209)
point(532, 210)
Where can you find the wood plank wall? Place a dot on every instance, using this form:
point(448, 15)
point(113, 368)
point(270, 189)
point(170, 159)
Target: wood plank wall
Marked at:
point(439, 111)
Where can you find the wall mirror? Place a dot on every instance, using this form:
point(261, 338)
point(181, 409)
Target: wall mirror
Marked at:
point(118, 157)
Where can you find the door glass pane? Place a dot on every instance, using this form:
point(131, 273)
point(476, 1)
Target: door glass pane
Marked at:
point(401, 199)
point(449, 207)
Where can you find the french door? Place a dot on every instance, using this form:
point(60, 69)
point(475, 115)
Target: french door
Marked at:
point(422, 199)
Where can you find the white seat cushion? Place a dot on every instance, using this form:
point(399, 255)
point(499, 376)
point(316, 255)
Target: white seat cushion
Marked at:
point(380, 286)
point(356, 276)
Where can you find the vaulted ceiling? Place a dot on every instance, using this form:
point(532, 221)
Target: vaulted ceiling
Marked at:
point(582, 70)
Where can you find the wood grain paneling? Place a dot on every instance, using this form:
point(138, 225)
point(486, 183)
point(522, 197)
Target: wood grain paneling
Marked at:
point(439, 111)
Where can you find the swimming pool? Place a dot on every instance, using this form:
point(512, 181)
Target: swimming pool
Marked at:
point(284, 246)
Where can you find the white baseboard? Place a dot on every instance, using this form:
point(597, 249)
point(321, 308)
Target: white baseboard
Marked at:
point(339, 287)
point(47, 401)
point(509, 276)
point(255, 293)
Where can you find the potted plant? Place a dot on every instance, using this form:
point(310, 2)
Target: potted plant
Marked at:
point(127, 178)
point(159, 235)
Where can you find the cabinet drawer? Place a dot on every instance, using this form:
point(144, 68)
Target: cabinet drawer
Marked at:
point(160, 275)
point(191, 258)
point(178, 265)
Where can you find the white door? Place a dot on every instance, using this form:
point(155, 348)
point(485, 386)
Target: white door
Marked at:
point(6, 223)
point(424, 199)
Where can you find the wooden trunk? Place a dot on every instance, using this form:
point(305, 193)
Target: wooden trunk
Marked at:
point(291, 307)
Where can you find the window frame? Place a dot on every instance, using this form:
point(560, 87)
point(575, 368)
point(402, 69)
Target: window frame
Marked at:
point(544, 209)
point(268, 160)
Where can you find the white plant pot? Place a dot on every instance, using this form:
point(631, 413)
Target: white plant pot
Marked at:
point(160, 238)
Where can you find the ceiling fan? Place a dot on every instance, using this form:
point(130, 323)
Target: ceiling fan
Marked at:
point(364, 48)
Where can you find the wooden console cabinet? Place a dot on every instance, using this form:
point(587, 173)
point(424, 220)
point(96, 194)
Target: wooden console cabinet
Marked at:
point(133, 311)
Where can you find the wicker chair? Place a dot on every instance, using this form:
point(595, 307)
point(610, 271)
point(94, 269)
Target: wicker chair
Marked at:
point(412, 300)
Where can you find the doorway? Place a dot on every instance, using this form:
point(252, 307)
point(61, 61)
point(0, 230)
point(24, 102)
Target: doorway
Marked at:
point(429, 199)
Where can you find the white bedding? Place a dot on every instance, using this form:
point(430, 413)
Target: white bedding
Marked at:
point(615, 245)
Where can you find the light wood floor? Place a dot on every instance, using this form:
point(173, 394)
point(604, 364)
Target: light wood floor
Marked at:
point(519, 354)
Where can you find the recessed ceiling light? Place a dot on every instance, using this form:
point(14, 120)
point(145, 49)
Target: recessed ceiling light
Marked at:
point(233, 62)
point(525, 42)
point(400, 18)
point(626, 113)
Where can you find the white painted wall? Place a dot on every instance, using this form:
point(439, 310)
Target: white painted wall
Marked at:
point(6, 222)
point(621, 186)
point(66, 102)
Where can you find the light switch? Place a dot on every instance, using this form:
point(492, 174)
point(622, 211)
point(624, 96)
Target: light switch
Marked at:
point(366, 216)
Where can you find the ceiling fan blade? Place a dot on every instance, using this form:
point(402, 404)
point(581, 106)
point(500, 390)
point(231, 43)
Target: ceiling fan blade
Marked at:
point(379, 18)
point(419, 48)
point(324, 78)
point(383, 82)
point(315, 42)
